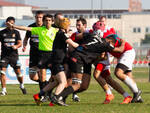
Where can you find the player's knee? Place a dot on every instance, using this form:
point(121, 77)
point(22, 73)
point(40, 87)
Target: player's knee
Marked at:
point(19, 75)
point(76, 81)
point(31, 77)
point(84, 87)
point(96, 74)
point(118, 74)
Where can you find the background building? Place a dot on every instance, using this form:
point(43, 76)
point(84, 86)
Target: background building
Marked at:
point(19, 11)
point(17, 1)
point(132, 24)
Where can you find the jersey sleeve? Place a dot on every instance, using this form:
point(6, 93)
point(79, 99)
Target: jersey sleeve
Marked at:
point(113, 31)
point(28, 34)
point(73, 37)
point(65, 37)
point(18, 35)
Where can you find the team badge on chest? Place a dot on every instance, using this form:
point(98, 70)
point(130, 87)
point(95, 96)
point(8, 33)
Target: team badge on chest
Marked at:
point(52, 34)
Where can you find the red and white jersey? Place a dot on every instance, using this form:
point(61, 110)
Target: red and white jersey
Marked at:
point(75, 39)
point(127, 47)
point(107, 31)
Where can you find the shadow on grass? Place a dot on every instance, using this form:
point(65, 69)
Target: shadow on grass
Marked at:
point(146, 92)
point(22, 105)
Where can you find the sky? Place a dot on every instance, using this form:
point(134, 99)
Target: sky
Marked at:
point(84, 4)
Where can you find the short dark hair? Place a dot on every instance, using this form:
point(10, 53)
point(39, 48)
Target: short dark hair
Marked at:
point(10, 18)
point(56, 14)
point(47, 16)
point(39, 12)
point(83, 20)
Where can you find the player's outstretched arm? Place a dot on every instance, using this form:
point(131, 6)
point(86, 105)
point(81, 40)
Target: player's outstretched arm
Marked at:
point(18, 27)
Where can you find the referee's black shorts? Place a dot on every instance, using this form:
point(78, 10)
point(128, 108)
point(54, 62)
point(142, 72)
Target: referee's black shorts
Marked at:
point(34, 57)
point(45, 59)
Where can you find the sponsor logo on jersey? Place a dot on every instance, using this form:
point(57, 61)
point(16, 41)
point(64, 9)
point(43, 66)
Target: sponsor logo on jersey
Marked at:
point(13, 35)
point(74, 60)
point(35, 39)
point(9, 40)
point(34, 36)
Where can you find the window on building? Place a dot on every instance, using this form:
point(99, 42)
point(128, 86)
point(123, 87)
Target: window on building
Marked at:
point(139, 30)
point(85, 16)
point(91, 16)
point(75, 16)
point(66, 16)
point(136, 30)
point(109, 16)
point(70, 16)
point(81, 16)
point(147, 30)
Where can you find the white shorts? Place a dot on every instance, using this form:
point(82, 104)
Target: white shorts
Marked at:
point(127, 58)
point(108, 61)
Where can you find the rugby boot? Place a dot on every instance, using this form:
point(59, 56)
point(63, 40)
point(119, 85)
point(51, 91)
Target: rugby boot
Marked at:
point(37, 99)
point(75, 98)
point(24, 91)
point(137, 98)
point(3, 93)
point(108, 99)
point(127, 100)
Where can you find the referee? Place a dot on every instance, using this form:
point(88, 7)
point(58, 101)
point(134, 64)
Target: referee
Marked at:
point(46, 35)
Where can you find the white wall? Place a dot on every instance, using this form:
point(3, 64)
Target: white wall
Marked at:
point(17, 12)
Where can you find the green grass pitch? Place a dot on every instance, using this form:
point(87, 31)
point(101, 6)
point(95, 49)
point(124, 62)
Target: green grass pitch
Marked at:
point(91, 100)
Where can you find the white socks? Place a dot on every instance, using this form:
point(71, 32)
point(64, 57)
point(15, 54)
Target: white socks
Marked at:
point(4, 89)
point(108, 91)
point(22, 86)
point(125, 95)
point(131, 84)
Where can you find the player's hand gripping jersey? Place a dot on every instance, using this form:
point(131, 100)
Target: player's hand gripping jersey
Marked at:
point(92, 46)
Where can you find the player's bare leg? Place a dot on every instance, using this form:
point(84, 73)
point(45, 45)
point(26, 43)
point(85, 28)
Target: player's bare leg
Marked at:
point(3, 81)
point(20, 80)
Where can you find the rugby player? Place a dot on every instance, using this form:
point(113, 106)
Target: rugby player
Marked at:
point(102, 70)
point(34, 52)
point(10, 42)
point(59, 54)
point(87, 52)
point(81, 25)
point(123, 70)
